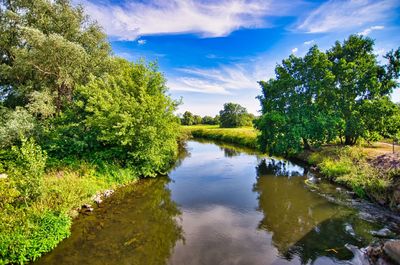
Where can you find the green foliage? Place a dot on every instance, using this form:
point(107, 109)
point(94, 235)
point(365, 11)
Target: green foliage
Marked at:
point(208, 120)
point(132, 117)
point(14, 124)
point(245, 136)
point(47, 45)
point(340, 94)
point(197, 119)
point(233, 115)
point(28, 170)
point(188, 118)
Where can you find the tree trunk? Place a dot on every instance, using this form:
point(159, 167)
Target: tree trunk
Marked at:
point(306, 144)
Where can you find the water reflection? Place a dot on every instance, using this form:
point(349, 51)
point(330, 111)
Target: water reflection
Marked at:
point(137, 225)
point(302, 223)
point(235, 207)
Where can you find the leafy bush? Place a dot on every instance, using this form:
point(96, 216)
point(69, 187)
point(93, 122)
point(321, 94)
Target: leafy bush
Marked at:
point(28, 170)
point(25, 235)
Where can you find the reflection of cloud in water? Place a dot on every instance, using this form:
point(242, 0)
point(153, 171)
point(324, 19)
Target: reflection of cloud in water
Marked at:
point(221, 235)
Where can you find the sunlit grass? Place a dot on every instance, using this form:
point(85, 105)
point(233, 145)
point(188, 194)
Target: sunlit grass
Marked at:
point(246, 136)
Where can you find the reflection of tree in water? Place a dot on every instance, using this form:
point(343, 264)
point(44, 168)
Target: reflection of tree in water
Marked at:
point(277, 167)
point(183, 153)
point(301, 222)
point(136, 226)
point(230, 152)
point(328, 235)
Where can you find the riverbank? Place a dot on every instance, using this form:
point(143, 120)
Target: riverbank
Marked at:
point(28, 230)
point(371, 171)
point(244, 136)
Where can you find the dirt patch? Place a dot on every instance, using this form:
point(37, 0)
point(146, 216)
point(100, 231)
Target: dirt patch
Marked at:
point(387, 162)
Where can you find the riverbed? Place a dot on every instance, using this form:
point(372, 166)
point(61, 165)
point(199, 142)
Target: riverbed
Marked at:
point(218, 205)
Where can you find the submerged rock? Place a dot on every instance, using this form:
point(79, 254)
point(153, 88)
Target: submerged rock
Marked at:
point(384, 232)
point(392, 249)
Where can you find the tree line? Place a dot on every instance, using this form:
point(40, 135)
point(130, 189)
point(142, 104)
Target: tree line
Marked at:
point(338, 95)
point(231, 116)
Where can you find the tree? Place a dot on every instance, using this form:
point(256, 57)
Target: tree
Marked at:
point(233, 115)
point(296, 112)
point(358, 77)
point(207, 120)
point(197, 119)
point(188, 118)
point(56, 52)
point(125, 117)
point(323, 96)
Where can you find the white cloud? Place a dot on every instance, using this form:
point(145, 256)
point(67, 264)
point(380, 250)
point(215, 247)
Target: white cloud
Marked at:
point(130, 20)
point(141, 42)
point(367, 31)
point(309, 42)
point(294, 50)
point(221, 80)
point(337, 15)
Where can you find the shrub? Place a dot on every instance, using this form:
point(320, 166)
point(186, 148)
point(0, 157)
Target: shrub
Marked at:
point(28, 171)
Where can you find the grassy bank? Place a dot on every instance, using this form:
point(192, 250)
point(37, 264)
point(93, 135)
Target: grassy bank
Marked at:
point(31, 226)
point(245, 136)
point(360, 168)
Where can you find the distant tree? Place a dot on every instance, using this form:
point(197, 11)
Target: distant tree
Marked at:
point(233, 115)
point(188, 118)
point(217, 120)
point(197, 119)
point(208, 120)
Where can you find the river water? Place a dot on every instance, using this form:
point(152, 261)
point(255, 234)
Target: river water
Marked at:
point(219, 205)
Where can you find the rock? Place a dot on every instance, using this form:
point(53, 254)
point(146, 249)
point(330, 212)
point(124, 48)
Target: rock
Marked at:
point(338, 189)
point(359, 255)
point(392, 249)
point(349, 229)
point(87, 208)
point(374, 253)
point(108, 193)
point(384, 232)
point(97, 199)
point(3, 176)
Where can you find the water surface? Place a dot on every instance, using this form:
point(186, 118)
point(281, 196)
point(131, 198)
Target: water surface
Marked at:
point(219, 205)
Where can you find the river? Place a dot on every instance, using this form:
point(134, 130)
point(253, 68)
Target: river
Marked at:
point(219, 205)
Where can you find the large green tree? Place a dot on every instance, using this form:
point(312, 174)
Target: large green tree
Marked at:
point(233, 115)
point(359, 77)
point(47, 46)
point(295, 107)
point(322, 96)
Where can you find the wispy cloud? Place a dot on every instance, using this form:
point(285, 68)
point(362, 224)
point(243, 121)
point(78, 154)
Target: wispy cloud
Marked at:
point(294, 50)
point(223, 80)
point(367, 31)
point(337, 15)
point(309, 42)
point(129, 20)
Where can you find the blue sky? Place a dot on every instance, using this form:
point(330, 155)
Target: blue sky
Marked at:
point(213, 52)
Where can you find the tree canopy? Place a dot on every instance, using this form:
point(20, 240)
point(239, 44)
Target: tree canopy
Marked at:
point(327, 95)
point(234, 115)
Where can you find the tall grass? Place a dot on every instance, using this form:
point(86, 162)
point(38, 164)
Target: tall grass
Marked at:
point(245, 136)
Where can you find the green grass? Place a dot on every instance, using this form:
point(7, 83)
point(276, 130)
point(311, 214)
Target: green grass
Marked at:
point(28, 231)
point(245, 136)
point(350, 167)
